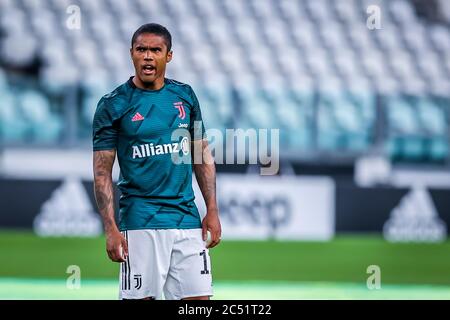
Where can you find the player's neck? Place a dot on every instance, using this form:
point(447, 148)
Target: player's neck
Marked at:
point(155, 85)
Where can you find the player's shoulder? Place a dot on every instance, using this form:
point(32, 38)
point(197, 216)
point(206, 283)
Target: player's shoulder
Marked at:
point(178, 85)
point(117, 99)
point(119, 93)
point(183, 90)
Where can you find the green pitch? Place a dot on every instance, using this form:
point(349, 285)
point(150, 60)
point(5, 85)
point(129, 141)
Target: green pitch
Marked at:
point(33, 267)
point(223, 290)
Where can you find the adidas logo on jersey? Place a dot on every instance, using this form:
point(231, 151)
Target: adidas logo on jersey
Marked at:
point(137, 117)
point(148, 150)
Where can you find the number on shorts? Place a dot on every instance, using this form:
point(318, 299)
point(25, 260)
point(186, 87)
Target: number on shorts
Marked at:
point(205, 270)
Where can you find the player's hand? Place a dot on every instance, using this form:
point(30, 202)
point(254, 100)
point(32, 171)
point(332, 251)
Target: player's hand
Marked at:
point(211, 223)
point(116, 246)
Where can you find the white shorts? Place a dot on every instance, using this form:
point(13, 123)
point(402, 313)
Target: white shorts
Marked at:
point(173, 262)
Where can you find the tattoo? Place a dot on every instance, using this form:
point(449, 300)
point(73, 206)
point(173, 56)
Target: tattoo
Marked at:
point(103, 199)
point(103, 185)
point(205, 172)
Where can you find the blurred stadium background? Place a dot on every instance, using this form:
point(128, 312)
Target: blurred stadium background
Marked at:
point(364, 119)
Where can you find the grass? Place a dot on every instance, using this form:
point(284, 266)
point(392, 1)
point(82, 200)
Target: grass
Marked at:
point(55, 289)
point(343, 260)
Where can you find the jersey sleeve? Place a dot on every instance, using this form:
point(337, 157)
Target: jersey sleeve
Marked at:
point(196, 126)
point(105, 130)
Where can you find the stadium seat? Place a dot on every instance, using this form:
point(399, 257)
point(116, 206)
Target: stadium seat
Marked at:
point(44, 125)
point(12, 126)
point(253, 63)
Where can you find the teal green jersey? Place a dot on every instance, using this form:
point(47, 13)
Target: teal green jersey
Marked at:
point(156, 192)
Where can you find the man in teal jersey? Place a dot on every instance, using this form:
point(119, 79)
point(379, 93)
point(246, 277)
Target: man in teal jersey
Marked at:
point(161, 241)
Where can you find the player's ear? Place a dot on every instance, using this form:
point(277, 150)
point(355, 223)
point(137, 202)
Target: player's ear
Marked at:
point(169, 56)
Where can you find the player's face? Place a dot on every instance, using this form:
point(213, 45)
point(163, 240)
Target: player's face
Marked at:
point(150, 56)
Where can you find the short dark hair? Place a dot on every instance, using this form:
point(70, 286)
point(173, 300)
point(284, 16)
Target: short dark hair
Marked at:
point(155, 29)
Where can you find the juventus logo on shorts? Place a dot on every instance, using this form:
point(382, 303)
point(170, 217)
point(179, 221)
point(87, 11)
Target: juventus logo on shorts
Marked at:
point(138, 279)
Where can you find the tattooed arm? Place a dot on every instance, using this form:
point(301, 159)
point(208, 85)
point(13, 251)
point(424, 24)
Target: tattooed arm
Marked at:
point(116, 245)
point(205, 172)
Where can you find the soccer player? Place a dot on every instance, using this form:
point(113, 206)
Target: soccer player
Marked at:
point(161, 241)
